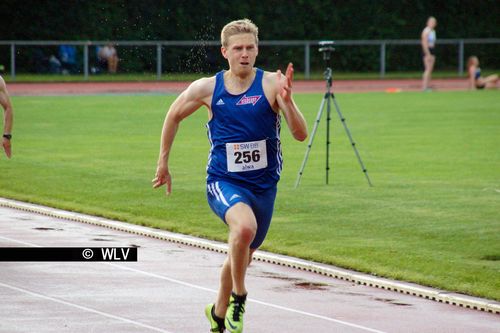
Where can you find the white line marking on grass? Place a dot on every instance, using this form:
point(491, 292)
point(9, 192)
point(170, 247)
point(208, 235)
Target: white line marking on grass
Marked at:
point(84, 308)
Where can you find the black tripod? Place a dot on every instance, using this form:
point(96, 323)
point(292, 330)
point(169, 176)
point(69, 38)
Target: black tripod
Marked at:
point(326, 47)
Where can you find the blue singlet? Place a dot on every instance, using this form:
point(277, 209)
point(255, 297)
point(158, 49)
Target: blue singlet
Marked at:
point(244, 135)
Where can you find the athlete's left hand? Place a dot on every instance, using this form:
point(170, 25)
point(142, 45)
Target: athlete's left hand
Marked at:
point(285, 84)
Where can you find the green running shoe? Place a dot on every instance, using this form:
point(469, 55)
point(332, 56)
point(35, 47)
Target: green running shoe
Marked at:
point(234, 314)
point(216, 323)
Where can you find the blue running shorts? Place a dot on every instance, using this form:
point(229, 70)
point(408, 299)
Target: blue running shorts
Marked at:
point(223, 195)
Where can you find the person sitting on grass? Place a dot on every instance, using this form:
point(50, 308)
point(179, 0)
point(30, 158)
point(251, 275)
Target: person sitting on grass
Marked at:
point(475, 79)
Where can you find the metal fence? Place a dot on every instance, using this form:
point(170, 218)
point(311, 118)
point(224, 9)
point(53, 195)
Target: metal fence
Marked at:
point(306, 44)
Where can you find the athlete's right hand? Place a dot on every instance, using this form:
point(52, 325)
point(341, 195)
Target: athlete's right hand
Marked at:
point(162, 177)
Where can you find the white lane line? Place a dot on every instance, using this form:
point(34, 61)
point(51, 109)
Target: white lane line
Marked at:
point(84, 308)
point(73, 304)
point(20, 242)
point(194, 286)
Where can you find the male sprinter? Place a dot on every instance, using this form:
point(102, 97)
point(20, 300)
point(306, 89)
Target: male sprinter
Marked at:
point(245, 161)
point(7, 119)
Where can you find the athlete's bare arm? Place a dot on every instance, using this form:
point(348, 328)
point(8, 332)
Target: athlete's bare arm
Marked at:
point(472, 77)
point(425, 42)
point(199, 93)
point(8, 116)
point(281, 87)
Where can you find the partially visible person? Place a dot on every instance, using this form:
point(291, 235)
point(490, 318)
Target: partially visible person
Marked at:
point(108, 57)
point(428, 42)
point(7, 119)
point(67, 56)
point(55, 66)
point(475, 79)
point(39, 61)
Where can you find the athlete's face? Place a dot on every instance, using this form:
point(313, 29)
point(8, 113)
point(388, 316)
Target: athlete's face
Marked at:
point(432, 23)
point(241, 53)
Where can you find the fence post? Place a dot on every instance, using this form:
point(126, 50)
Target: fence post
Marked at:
point(158, 62)
point(86, 61)
point(461, 57)
point(12, 62)
point(307, 60)
point(382, 60)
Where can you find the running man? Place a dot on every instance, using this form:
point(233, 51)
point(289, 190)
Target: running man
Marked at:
point(428, 41)
point(245, 161)
point(7, 118)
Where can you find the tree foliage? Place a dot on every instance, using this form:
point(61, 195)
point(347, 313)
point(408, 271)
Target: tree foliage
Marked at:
point(277, 20)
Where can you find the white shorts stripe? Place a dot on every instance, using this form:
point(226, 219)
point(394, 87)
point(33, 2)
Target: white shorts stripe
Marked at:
point(213, 191)
point(221, 195)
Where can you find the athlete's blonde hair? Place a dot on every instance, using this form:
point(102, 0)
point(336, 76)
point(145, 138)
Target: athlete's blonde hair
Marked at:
point(243, 26)
point(470, 62)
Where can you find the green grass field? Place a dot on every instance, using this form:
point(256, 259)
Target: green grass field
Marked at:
point(433, 216)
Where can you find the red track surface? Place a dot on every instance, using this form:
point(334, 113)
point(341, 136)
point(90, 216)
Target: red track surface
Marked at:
point(341, 86)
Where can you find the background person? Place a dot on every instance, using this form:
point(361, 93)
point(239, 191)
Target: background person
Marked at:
point(108, 57)
point(245, 158)
point(7, 119)
point(475, 79)
point(67, 56)
point(428, 41)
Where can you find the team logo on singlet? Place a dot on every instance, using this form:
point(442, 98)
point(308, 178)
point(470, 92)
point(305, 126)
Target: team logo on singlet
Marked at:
point(249, 100)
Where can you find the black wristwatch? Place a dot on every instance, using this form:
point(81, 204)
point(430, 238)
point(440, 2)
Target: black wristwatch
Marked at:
point(7, 136)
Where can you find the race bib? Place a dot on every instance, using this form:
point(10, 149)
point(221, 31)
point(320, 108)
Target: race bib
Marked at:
point(246, 156)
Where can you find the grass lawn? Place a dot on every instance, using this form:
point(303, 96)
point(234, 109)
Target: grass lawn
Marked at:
point(433, 216)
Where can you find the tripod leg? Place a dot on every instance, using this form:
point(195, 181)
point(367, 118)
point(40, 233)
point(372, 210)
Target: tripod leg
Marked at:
point(328, 118)
point(311, 139)
point(353, 144)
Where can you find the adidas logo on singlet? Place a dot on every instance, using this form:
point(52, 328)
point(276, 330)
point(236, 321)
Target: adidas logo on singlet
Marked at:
point(220, 102)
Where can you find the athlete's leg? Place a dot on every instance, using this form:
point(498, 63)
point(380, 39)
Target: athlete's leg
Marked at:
point(429, 66)
point(114, 63)
point(226, 286)
point(491, 81)
point(242, 229)
point(425, 76)
point(432, 60)
point(231, 203)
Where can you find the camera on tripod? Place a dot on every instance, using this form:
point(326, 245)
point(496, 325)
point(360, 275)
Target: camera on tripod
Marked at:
point(326, 47)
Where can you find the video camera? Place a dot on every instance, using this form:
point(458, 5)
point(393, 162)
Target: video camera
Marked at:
point(326, 47)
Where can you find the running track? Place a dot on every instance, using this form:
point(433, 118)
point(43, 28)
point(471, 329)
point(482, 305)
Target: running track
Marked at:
point(168, 287)
point(341, 86)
